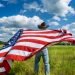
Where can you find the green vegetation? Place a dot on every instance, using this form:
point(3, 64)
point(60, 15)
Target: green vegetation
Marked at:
point(1, 46)
point(1, 42)
point(62, 62)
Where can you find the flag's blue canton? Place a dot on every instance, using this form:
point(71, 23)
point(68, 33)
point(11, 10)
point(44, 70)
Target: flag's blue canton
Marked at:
point(13, 40)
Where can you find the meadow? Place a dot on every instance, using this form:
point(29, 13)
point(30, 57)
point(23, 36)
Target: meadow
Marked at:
point(62, 62)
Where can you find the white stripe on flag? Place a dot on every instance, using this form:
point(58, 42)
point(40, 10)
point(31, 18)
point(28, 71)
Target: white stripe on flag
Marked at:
point(2, 69)
point(9, 62)
point(35, 38)
point(71, 38)
point(44, 39)
point(5, 50)
point(29, 44)
point(1, 59)
point(48, 34)
point(19, 52)
point(37, 31)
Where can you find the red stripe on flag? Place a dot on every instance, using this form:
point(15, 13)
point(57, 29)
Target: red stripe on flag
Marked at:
point(24, 48)
point(6, 66)
point(33, 40)
point(42, 36)
point(3, 54)
point(17, 57)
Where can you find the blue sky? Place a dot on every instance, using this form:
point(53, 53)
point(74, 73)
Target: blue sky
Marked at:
point(16, 14)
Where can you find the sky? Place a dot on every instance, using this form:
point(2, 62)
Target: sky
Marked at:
point(28, 14)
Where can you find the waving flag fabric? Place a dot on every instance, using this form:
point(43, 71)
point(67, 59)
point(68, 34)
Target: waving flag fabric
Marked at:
point(70, 39)
point(30, 42)
point(26, 43)
point(5, 65)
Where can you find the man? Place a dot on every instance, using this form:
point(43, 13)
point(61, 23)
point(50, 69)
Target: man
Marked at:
point(44, 54)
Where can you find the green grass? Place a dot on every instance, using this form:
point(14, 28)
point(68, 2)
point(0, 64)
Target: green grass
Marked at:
point(62, 62)
point(1, 45)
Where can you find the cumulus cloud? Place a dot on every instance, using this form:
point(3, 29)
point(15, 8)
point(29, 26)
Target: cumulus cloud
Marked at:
point(5, 37)
point(72, 10)
point(53, 23)
point(58, 7)
point(65, 19)
point(20, 21)
point(70, 27)
point(9, 25)
point(56, 18)
point(35, 6)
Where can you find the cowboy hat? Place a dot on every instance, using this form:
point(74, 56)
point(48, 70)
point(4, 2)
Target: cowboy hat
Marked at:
point(43, 26)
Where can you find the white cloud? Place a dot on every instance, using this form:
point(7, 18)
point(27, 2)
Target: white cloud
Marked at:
point(54, 23)
point(35, 6)
point(1, 5)
point(58, 7)
point(56, 18)
point(22, 11)
point(66, 27)
point(70, 27)
point(65, 19)
point(20, 21)
point(9, 25)
point(5, 37)
point(72, 10)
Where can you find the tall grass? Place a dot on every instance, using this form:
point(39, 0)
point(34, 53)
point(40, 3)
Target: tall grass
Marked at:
point(1, 45)
point(62, 62)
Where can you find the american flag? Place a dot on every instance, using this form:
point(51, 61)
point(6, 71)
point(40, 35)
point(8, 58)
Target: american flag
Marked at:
point(29, 42)
point(5, 65)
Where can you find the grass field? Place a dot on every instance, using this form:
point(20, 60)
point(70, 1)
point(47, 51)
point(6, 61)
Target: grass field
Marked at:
point(62, 62)
point(1, 45)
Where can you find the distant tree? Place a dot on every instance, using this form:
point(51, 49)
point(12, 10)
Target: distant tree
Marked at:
point(1, 42)
point(64, 43)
